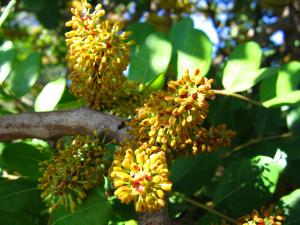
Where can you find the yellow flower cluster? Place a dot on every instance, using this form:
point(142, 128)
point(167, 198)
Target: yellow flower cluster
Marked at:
point(98, 54)
point(171, 120)
point(142, 178)
point(168, 121)
point(265, 217)
point(74, 169)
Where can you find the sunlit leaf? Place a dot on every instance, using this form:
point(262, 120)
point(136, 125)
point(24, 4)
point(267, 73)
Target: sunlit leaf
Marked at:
point(7, 57)
point(242, 66)
point(140, 31)
point(291, 207)
point(193, 52)
point(157, 83)
point(275, 89)
point(247, 80)
point(286, 99)
point(50, 95)
point(152, 59)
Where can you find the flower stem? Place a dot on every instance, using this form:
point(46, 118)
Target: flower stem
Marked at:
point(239, 96)
point(208, 209)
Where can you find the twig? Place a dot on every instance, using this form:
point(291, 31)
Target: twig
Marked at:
point(208, 209)
point(260, 139)
point(239, 96)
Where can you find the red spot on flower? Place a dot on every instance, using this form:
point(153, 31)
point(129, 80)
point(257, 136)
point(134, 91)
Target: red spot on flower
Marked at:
point(188, 107)
point(108, 45)
point(195, 96)
point(183, 96)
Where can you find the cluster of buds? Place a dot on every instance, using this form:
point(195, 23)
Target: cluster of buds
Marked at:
point(73, 170)
point(97, 56)
point(171, 120)
point(265, 217)
point(141, 178)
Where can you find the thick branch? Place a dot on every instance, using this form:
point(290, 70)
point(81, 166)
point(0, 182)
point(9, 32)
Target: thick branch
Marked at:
point(51, 125)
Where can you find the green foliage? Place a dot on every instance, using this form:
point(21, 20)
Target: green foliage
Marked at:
point(233, 181)
point(152, 59)
point(95, 210)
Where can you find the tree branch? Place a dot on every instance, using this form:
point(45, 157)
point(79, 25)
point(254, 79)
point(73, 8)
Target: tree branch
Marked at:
point(51, 125)
point(84, 121)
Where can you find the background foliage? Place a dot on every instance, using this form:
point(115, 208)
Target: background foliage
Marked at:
point(255, 62)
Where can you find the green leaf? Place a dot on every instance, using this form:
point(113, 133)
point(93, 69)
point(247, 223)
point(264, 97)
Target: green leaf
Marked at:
point(16, 218)
point(242, 66)
point(252, 181)
point(7, 57)
point(279, 86)
point(157, 83)
point(286, 99)
point(95, 210)
point(293, 120)
point(20, 195)
point(25, 74)
point(140, 31)
point(249, 79)
point(193, 52)
point(50, 95)
point(152, 59)
point(8, 9)
point(288, 78)
point(197, 169)
point(291, 207)
point(179, 31)
point(23, 158)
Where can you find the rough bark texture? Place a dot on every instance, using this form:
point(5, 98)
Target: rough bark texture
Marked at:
point(52, 125)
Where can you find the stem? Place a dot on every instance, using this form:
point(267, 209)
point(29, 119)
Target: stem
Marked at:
point(260, 139)
point(239, 96)
point(208, 209)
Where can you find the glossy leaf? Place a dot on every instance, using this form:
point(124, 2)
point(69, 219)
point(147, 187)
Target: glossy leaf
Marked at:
point(242, 65)
point(23, 158)
point(193, 52)
point(25, 74)
point(95, 210)
point(252, 181)
point(293, 119)
point(157, 83)
point(274, 89)
point(50, 95)
point(152, 59)
point(198, 169)
point(247, 80)
point(140, 31)
point(291, 207)
point(286, 99)
point(179, 31)
point(7, 57)
point(20, 195)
